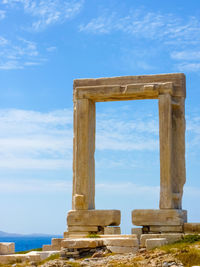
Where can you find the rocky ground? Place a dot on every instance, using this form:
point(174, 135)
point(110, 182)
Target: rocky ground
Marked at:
point(182, 253)
point(142, 258)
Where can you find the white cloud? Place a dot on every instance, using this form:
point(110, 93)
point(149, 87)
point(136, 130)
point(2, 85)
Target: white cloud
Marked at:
point(150, 25)
point(187, 60)
point(188, 67)
point(2, 14)
point(40, 185)
point(128, 188)
point(34, 185)
point(39, 140)
point(180, 37)
point(18, 54)
point(3, 41)
point(193, 132)
point(186, 55)
point(116, 188)
point(126, 135)
point(51, 48)
point(48, 12)
point(36, 140)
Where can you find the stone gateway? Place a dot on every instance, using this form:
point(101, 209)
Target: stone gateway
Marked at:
point(170, 90)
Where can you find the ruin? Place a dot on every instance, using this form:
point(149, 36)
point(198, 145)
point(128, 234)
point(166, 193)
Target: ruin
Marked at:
point(158, 227)
point(170, 90)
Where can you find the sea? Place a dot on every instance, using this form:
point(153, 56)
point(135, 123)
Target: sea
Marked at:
point(23, 243)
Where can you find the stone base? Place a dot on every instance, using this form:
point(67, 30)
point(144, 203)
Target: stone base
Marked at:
point(171, 238)
point(163, 217)
point(114, 243)
point(92, 221)
point(155, 242)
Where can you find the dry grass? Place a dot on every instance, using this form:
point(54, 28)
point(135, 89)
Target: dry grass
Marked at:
point(191, 257)
point(186, 250)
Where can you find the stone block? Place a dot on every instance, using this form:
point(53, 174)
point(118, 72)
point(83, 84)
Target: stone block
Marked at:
point(8, 259)
point(82, 243)
point(118, 236)
point(7, 248)
point(79, 201)
point(81, 234)
point(56, 243)
point(121, 250)
point(155, 242)
point(81, 228)
point(40, 255)
point(112, 230)
point(192, 227)
point(34, 256)
point(137, 232)
point(94, 217)
point(166, 229)
point(66, 234)
point(46, 248)
point(77, 236)
point(159, 217)
point(121, 242)
point(171, 238)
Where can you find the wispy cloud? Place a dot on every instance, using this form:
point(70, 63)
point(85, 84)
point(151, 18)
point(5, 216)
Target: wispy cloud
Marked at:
point(39, 185)
point(48, 12)
point(115, 134)
point(39, 140)
point(35, 140)
point(117, 188)
point(166, 30)
point(187, 60)
point(51, 48)
point(2, 14)
point(188, 67)
point(18, 54)
point(193, 131)
point(34, 185)
point(186, 55)
point(127, 188)
point(150, 25)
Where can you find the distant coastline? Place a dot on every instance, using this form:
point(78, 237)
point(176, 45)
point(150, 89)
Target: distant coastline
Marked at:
point(27, 242)
point(5, 234)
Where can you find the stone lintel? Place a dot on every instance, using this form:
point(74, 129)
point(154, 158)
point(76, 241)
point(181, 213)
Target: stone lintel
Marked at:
point(159, 217)
point(116, 92)
point(178, 80)
point(94, 217)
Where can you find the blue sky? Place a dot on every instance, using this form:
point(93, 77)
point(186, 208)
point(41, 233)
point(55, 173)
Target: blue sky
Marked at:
point(44, 45)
